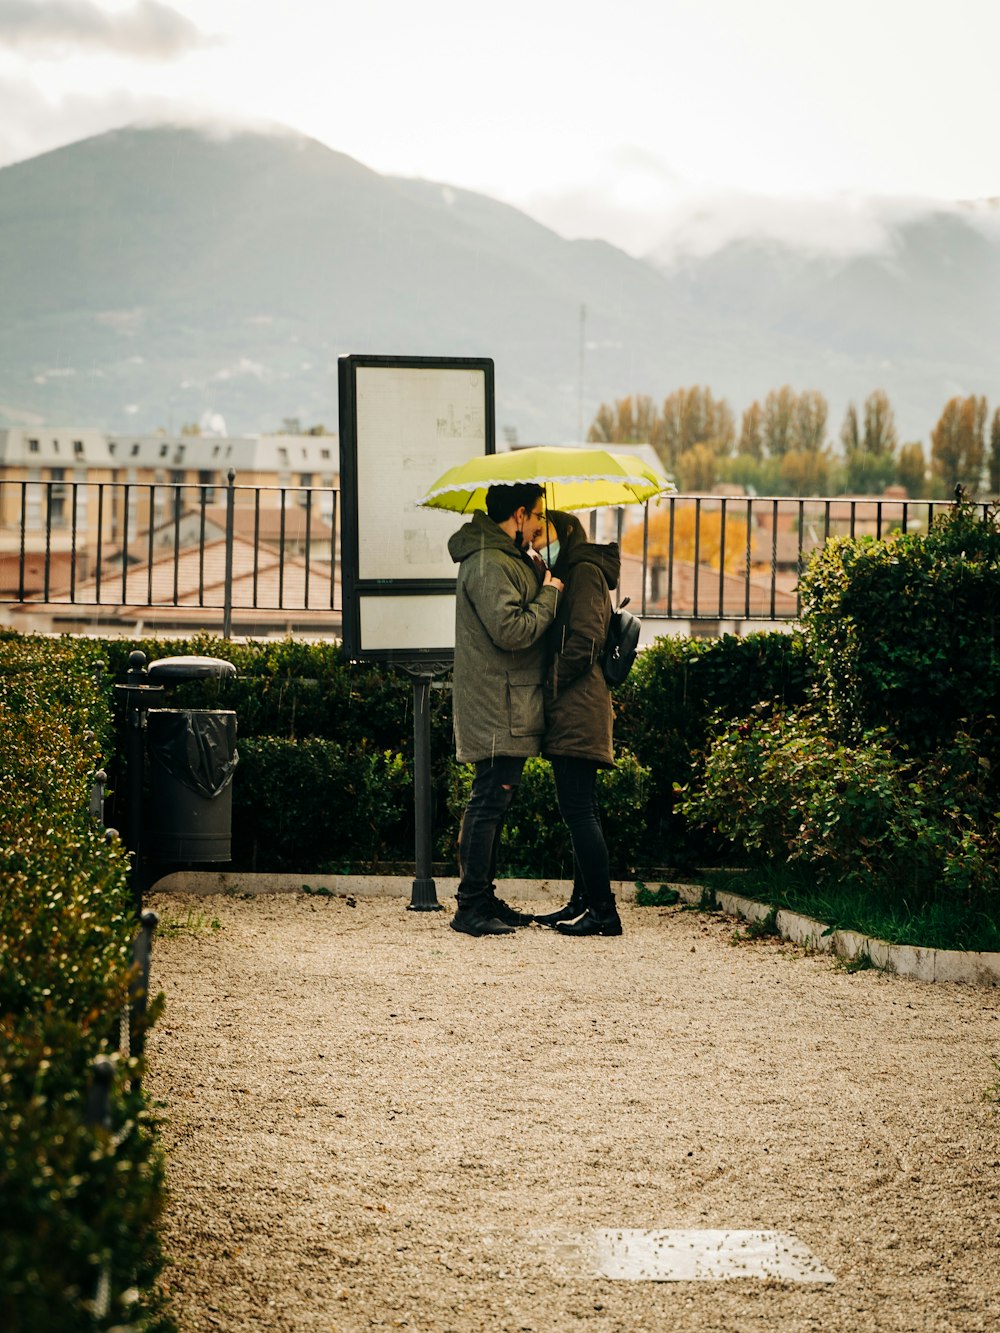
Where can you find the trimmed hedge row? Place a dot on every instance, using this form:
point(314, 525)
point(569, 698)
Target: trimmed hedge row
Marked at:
point(81, 1202)
point(326, 752)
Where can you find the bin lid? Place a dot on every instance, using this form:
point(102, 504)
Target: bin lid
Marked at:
point(190, 668)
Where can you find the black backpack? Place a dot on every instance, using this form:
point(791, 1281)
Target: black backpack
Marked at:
point(621, 646)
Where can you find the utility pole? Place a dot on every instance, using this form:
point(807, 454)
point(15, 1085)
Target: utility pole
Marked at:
point(583, 346)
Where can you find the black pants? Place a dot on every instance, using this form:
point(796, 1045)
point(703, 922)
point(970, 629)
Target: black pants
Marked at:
point(576, 791)
point(493, 787)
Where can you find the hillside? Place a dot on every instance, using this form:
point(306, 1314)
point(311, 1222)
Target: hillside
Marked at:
point(151, 275)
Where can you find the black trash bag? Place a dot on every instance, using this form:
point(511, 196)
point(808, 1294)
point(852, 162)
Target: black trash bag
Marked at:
point(197, 747)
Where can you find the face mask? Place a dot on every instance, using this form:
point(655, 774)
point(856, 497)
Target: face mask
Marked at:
point(552, 553)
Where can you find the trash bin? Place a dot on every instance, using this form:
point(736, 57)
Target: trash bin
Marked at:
point(192, 757)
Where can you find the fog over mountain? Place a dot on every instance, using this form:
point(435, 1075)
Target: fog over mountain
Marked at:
point(152, 275)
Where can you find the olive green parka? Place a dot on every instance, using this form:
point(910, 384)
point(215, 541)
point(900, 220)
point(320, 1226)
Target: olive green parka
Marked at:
point(502, 614)
point(578, 713)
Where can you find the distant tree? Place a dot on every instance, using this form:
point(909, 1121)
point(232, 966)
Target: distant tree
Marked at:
point(911, 469)
point(190, 428)
point(630, 420)
point(958, 445)
point(869, 449)
point(709, 536)
point(779, 421)
point(698, 468)
point(994, 460)
point(751, 441)
point(880, 424)
point(757, 476)
point(695, 416)
point(810, 422)
point(805, 471)
point(850, 433)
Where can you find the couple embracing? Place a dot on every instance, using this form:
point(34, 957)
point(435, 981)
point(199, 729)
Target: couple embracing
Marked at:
point(528, 681)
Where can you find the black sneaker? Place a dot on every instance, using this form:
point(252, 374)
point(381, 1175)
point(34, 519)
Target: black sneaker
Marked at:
point(589, 924)
point(478, 921)
point(510, 916)
point(568, 913)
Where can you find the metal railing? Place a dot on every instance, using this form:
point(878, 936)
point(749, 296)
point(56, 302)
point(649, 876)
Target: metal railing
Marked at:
point(272, 550)
point(155, 545)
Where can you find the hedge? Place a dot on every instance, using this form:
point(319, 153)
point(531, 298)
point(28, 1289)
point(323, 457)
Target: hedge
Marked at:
point(294, 796)
point(81, 1202)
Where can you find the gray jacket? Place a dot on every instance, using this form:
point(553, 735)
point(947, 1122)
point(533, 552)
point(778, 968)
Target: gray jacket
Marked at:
point(501, 615)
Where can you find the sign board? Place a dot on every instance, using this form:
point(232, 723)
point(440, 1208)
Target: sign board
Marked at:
point(404, 421)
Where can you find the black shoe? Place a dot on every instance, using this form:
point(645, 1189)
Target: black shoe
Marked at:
point(568, 913)
point(510, 916)
point(589, 924)
point(479, 921)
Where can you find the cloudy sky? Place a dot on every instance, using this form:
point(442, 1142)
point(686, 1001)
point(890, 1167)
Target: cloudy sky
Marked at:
point(637, 121)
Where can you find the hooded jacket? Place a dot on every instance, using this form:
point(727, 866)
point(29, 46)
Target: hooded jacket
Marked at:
point(578, 714)
point(501, 618)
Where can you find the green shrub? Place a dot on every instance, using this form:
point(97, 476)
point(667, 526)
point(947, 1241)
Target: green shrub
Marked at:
point(78, 1198)
point(664, 713)
point(921, 830)
point(314, 805)
point(906, 631)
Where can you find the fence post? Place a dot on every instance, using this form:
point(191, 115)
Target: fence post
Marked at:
point(142, 948)
point(227, 614)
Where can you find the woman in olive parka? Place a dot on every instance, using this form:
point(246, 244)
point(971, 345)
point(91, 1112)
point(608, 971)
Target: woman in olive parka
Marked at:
point(578, 717)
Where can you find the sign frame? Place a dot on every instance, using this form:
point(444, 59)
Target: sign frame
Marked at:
point(381, 396)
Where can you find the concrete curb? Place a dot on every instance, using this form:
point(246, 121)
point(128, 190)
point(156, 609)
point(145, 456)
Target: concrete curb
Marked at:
point(905, 960)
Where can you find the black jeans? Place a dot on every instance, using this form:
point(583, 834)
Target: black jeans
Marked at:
point(576, 791)
point(493, 787)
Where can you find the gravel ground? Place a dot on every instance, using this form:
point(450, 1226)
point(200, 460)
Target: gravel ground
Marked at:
point(375, 1122)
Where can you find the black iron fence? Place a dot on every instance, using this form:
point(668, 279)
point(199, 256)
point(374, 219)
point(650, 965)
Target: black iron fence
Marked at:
point(191, 548)
point(269, 554)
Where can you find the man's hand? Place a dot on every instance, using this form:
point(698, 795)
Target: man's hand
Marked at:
point(549, 581)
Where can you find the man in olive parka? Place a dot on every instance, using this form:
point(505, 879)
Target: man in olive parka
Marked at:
point(503, 608)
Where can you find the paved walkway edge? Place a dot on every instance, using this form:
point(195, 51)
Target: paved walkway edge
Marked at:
point(905, 960)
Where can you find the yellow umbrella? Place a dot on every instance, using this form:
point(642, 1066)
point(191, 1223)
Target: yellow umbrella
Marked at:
point(573, 479)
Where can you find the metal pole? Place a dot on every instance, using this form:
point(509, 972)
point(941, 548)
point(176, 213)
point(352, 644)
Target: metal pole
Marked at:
point(227, 614)
point(423, 897)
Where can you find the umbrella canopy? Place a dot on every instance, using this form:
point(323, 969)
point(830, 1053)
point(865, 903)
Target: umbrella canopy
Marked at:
point(573, 479)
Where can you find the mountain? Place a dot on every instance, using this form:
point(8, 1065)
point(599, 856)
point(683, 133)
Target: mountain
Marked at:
point(150, 275)
point(918, 318)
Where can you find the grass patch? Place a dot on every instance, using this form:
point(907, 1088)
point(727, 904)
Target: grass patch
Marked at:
point(663, 896)
point(188, 925)
point(859, 906)
point(991, 1093)
point(861, 962)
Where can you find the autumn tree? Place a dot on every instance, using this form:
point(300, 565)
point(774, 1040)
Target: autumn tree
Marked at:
point(695, 416)
point(869, 447)
point(958, 444)
point(631, 420)
point(810, 422)
point(911, 469)
point(751, 441)
point(707, 535)
point(698, 468)
point(778, 421)
point(805, 471)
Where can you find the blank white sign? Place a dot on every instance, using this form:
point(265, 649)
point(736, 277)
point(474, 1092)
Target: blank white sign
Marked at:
point(405, 624)
point(413, 423)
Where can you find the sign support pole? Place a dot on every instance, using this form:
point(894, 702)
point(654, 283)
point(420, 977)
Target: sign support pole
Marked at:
point(423, 896)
